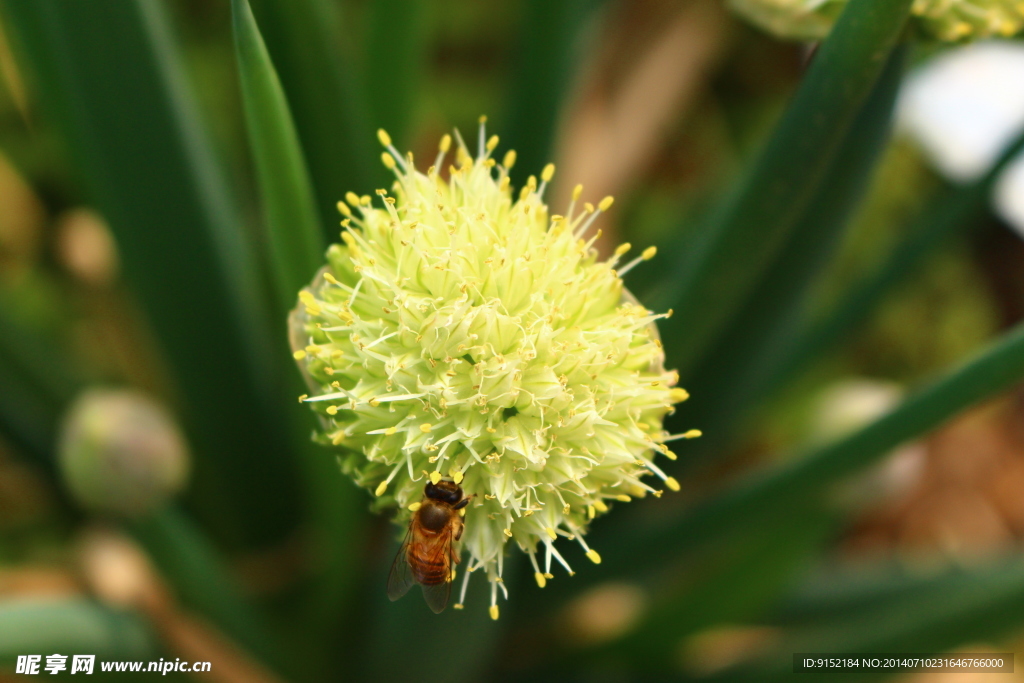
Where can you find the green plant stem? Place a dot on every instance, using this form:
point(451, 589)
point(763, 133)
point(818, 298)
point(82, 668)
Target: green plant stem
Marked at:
point(294, 237)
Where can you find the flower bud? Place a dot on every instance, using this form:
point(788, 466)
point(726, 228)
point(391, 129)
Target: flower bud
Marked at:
point(121, 453)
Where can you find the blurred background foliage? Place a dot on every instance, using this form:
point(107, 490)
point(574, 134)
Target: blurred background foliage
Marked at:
point(844, 321)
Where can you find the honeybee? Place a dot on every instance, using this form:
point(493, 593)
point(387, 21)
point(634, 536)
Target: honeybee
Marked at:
point(428, 555)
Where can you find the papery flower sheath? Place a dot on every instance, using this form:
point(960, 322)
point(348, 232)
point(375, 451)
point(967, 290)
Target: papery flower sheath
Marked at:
point(461, 331)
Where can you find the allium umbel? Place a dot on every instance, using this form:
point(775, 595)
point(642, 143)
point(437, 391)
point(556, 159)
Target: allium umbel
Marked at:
point(948, 20)
point(462, 332)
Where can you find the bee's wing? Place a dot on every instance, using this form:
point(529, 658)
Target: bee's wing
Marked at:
point(400, 579)
point(438, 594)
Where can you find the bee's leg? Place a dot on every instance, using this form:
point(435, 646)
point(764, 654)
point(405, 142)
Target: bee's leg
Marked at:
point(458, 534)
point(462, 503)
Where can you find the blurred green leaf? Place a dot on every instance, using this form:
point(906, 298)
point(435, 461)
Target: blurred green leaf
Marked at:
point(295, 239)
point(200, 579)
point(950, 212)
point(396, 56)
point(930, 615)
point(37, 384)
point(28, 420)
point(545, 60)
point(732, 375)
point(777, 487)
point(326, 98)
point(43, 362)
point(111, 77)
point(860, 587)
point(733, 584)
point(71, 626)
point(755, 221)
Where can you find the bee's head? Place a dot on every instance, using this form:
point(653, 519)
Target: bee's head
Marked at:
point(443, 491)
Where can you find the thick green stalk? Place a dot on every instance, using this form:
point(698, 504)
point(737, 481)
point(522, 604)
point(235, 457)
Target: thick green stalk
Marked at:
point(544, 68)
point(396, 56)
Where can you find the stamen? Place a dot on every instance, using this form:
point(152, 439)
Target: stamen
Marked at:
point(690, 434)
point(481, 135)
point(442, 150)
point(648, 254)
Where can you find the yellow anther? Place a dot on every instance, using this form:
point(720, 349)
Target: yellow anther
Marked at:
point(492, 142)
point(623, 248)
point(299, 355)
point(306, 297)
point(507, 532)
point(348, 239)
point(458, 605)
point(670, 455)
point(332, 410)
point(384, 138)
point(539, 578)
point(413, 507)
point(494, 612)
point(365, 200)
point(600, 506)
point(672, 483)
point(649, 253)
point(373, 402)
point(388, 160)
point(330, 278)
point(338, 438)
point(435, 477)
point(303, 397)
point(551, 533)
point(623, 498)
point(591, 512)
point(390, 431)
point(693, 434)
point(482, 120)
point(588, 207)
point(313, 350)
point(510, 159)
point(678, 395)
point(446, 143)
point(352, 198)
point(426, 427)
point(606, 203)
point(566, 509)
point(381, 488)
point(576, 192)
point(343, 209)
point(548, 173)
point(593, 556)
point(457, 477)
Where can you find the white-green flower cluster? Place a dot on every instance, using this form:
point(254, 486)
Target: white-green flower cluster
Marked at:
point(464, 333)
point(949, 20)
